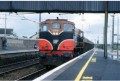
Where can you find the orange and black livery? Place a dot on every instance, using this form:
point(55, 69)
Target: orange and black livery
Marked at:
point(59, 41)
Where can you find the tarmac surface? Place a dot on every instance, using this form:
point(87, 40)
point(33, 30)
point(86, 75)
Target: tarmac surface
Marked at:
point(93, 66)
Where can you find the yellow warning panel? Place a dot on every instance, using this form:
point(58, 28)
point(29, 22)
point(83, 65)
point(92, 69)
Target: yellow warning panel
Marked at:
point(93, 60)
point(86, 80)
point(87, 77)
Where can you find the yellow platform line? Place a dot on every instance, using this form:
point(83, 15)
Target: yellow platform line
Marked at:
point(84, 67)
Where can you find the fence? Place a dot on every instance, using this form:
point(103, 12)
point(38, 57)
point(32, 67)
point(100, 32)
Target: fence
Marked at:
point(19, 43)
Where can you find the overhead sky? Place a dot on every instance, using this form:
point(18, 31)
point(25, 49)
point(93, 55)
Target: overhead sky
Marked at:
point(27, 24)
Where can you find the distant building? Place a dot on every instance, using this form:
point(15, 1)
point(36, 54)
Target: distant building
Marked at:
point(9, 32)
point(35, 36)
point(115, 46)
point(24, 36)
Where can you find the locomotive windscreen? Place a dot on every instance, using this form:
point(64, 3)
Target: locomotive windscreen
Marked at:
point(44, 27)
point(56, 26)
point(68, 27)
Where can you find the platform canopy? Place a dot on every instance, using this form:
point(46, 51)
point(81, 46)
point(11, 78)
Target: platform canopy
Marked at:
point(60, 6)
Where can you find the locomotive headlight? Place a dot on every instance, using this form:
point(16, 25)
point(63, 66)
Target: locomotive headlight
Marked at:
point(56, 33)
point(53, 33)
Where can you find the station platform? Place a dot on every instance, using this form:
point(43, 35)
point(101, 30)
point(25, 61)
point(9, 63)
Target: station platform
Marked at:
point(89, 66)
point(16, 51)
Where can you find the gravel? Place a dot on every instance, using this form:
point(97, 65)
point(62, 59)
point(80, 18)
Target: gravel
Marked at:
point(21, 72)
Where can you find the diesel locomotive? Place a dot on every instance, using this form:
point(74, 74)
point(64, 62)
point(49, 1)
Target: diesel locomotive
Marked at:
point(59, 41)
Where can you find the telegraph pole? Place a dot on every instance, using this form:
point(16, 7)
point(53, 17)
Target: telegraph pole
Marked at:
point(39, 29)
point(118, 39)
point(5, 25)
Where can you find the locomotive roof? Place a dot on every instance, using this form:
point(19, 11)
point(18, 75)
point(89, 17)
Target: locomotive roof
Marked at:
point(88, 41)
point(56, 20)
point(63, 20)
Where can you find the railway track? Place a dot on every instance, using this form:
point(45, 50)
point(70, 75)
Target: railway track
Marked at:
point(16, 66)
point(17, 56)
point(33, 75)
point(24, 73)
point(7, 65)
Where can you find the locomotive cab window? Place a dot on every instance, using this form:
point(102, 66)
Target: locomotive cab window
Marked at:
point(56, 26)
point(68, 27)
point(44, 27)
point(81, 34)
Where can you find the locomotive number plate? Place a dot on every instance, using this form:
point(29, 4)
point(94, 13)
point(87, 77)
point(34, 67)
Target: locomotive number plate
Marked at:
point(55, 41)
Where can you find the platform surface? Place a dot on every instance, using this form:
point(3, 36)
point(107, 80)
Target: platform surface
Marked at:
point(93, 66)
point(16, 51)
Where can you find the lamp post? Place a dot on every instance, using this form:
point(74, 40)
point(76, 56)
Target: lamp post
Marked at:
point(87, 24)
point(112, 32)
point(118, 38)
point(5, 25)
point(109, 37)
point(98, 41)
point(95, 43)
point(82, 20)
point(39, 28)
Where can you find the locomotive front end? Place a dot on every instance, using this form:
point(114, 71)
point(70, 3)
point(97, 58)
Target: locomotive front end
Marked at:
point(56, 43)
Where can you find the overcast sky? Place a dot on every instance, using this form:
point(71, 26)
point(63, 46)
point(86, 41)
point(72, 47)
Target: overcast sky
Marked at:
point(91, 24)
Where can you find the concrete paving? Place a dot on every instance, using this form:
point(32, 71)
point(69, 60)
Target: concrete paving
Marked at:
point(98, 68)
